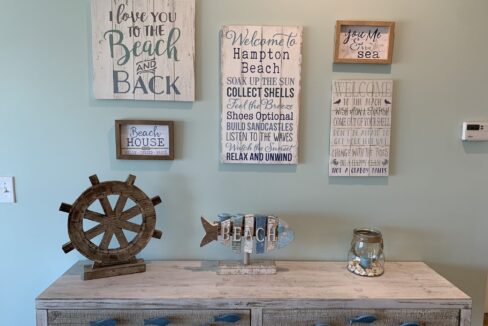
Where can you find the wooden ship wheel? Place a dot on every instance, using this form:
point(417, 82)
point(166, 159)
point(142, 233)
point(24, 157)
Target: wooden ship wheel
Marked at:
point(112, 221)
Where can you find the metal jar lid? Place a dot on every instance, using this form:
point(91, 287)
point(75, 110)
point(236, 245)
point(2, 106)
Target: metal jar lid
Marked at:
point(367, 235)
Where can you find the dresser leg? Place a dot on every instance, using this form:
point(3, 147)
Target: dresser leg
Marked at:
point(465, 317)
point(257, 317)
point(41, 317)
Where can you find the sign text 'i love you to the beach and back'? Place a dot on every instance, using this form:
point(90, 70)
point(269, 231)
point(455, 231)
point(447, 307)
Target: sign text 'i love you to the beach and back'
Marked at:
point(143, 49)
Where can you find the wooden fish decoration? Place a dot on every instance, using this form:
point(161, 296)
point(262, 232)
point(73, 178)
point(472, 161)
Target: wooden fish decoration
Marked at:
point(255, 233)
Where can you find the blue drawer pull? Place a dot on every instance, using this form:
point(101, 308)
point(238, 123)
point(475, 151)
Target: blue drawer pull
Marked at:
point(366, 319)
point(106, 322)
point(230, 318)
point(410, 324)
point(157, 321)
point(320, 324)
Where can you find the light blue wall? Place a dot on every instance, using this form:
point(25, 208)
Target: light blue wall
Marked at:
point(433, 207)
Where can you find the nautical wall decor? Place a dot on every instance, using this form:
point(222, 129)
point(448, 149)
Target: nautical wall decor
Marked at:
point(143, 49)
point(248, 234)
point(364, 42)
point(360, 127)
point(144, 139)
point(260, 67)
point(91, 230)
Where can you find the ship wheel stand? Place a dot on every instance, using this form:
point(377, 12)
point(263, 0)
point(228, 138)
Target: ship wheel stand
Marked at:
point(112, 222)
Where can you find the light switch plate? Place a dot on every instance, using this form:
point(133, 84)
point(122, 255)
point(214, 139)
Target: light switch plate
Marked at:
point(7, 190)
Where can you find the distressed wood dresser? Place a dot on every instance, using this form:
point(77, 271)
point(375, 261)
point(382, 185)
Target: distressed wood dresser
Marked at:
point(302, 293)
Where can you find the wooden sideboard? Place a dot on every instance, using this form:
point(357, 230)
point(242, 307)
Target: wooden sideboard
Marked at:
point(302, 293)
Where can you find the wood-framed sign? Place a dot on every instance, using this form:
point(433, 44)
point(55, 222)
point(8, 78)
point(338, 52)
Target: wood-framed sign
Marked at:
point(260, 87)
point(360, 127)
point(144, 140)
point(143, 49)
point(364, 42)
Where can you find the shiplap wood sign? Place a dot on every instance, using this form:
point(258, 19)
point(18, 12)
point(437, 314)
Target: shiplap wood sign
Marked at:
point(360, 127)
point(143, 49)
point(260, 67)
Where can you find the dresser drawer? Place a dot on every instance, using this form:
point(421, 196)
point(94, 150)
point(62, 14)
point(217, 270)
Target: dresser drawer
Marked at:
point(137, 317)
point(341, 317)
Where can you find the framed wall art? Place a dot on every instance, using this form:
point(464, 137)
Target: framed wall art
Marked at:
point(364, 42)
point(144, 140)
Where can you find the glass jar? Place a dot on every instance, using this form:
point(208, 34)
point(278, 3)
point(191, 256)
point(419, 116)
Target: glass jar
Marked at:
point(366, 256)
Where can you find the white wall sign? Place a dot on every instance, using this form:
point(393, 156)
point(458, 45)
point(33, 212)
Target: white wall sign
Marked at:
point(145, 140)
point(260, 81)
point(360, 127)
point(143, 49)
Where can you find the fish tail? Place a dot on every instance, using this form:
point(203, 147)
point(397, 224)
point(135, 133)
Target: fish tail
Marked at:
point(211, 232)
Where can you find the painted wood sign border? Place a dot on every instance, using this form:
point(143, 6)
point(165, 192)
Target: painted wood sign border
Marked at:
point(364, 42)
point(144, 140)
point(143, 49)
point(360, 127)
point(260, 89)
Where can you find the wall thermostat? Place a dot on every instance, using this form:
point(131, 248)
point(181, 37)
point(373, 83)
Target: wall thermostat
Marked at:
point(475, 131)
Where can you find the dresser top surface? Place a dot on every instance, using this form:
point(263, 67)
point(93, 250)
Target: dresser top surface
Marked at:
point(295, 280)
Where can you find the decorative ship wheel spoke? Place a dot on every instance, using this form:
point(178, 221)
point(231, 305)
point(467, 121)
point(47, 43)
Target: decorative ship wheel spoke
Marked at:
point(113, 222)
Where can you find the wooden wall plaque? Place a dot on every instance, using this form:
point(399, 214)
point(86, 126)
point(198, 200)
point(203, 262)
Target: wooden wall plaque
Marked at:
point(364, 42)
point(360, 127)
point(143, 49)
point(144, 140)
point(260, 67)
